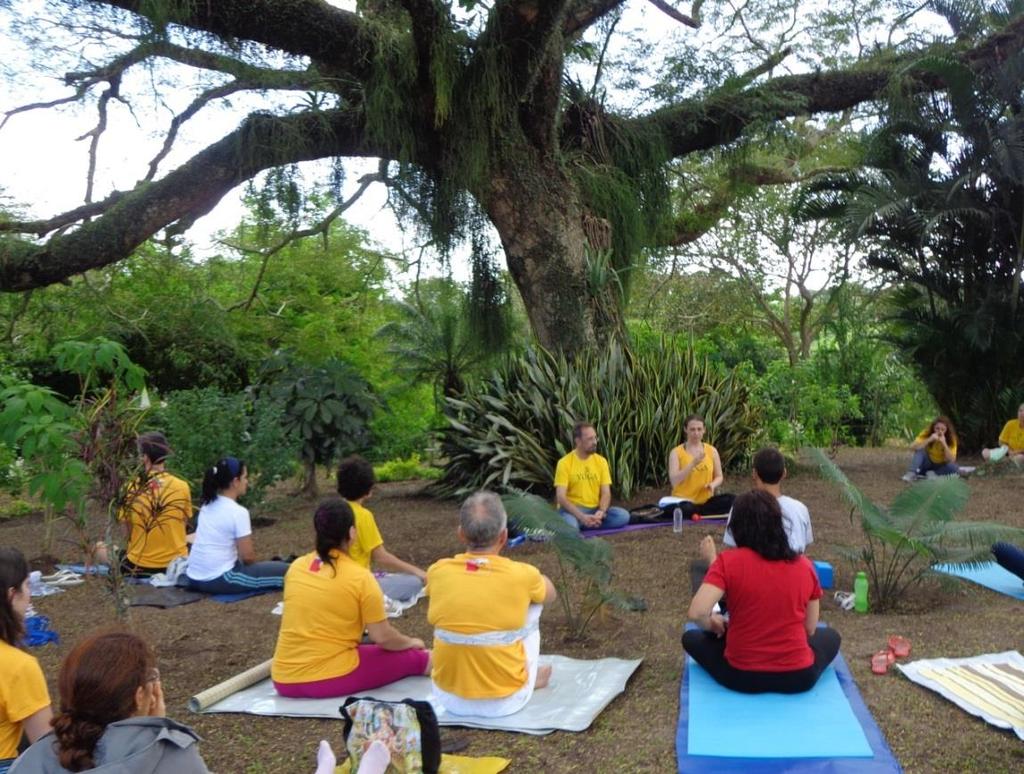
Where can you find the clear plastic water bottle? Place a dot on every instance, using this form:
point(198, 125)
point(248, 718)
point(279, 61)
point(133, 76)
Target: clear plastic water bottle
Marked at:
point(860, 593)
point(677, 520)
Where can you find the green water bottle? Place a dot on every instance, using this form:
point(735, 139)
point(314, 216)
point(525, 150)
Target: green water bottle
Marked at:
point(860, 593)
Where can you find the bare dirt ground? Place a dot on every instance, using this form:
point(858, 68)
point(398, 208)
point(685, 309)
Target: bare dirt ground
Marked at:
point(204, 643)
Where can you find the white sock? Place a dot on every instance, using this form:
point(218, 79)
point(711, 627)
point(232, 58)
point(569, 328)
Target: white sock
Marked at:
point(326, 761)
point(376, 759)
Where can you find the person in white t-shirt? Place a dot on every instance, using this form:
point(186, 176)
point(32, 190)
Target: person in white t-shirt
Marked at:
point(223, 560)
point(768, 473)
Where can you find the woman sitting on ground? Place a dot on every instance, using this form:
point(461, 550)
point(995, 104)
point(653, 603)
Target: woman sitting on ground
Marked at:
point(1011, 441)
point(935, 451)
point(770, 641)
point(111, 715)
point(24, 700)
point(695, 472)
point(329, 600)
point(223, 560)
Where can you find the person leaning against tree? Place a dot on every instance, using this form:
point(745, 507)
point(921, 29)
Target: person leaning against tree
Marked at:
point(583, 485)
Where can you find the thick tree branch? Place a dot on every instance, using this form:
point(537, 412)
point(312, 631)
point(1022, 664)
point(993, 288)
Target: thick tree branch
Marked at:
point(701, 124)
point(693, 20)
point(192, 190)
point(310, 28)
point(581, 14)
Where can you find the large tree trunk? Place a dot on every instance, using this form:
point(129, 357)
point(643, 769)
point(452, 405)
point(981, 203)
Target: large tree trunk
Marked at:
point(538, 214)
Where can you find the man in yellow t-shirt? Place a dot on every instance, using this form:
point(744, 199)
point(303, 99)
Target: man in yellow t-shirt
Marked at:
point(485, 610)
point(155, 515)
point(1011, 440)
point(583, 485)
point(356, 480)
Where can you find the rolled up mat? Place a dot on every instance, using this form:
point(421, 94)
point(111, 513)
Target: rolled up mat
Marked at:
point(231, 686)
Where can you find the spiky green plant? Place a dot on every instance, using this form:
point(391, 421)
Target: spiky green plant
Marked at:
point(585, 573)
point(917, 530)
point(508, 431)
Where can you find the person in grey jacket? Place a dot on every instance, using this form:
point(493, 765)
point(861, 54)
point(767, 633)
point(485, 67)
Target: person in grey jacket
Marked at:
point(111, 716)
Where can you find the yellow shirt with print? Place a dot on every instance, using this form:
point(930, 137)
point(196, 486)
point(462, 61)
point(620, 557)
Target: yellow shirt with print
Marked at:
point(22, 694)
point(935, 451)
point(694, 486)
point(1012, 436)
point(326, 610)
point(473, 594)
point(367, 536)
point(583, 479)
point(158, 514)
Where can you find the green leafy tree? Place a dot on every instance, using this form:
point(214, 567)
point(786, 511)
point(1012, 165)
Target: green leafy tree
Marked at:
point(473, 109)
point(940, 212)
point(327, 410)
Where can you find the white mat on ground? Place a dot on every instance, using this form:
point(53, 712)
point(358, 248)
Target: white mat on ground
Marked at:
point(578, 691)
point(990, 686)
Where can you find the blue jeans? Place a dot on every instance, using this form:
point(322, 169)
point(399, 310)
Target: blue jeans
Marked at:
point(1010, 557)
point(922, 463)
point(614, 518)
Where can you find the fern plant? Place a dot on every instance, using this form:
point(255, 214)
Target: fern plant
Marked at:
point(917, 530)
point(585, 573)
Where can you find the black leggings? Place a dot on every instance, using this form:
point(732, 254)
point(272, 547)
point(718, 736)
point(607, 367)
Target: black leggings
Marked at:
point(713, 506)
point(709, 651)
point(1010, 557)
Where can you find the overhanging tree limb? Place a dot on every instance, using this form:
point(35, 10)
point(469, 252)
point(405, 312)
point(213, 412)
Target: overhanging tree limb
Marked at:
point(192, 190)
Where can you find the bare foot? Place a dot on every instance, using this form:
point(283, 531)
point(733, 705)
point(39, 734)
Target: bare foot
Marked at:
point(707, 549)
point(543, 677)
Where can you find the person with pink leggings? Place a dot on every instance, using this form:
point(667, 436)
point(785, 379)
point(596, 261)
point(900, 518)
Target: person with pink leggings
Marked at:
point(329, 601)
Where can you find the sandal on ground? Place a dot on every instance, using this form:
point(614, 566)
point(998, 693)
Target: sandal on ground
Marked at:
point(880, 662)
point(59, 576)
point(844, 599)
point(900, 646)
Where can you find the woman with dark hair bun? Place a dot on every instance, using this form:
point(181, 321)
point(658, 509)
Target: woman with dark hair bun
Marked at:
point(769, 641)
point(329, 600)
point(24, 700)
point(223, 559)
point(111, 716)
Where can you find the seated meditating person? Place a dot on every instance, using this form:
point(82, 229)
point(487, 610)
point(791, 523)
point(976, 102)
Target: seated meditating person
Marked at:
point(223, 559)
point(769, 641)
point(935, 452)
point(486, 610)
point(769, 469)
point(695, 472)
point(24, 698)
point(329, 601)
point(155, 515)
point(1011, 441)
point(356, 481)
point(1010, 557)
point(112, 716)
point(583, 485)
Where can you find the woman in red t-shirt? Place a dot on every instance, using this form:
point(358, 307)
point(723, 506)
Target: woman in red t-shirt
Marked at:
point(770, 641)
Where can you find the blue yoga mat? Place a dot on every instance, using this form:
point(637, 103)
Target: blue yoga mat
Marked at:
point(827, 730)
point(991, 576)
point(229, 598)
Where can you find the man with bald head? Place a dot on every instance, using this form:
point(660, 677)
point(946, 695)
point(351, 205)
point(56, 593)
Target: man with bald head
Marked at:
point(485, 610)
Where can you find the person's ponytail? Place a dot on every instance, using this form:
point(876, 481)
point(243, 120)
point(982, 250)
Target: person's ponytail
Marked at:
point(76, 741)
point(332, 523)
point(219, 476)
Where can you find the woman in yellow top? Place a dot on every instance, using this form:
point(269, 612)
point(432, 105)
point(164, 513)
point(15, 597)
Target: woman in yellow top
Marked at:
point(695, 472)
point(934, 451)
point(329, 600)
point(24, 699)
point(1011, 441)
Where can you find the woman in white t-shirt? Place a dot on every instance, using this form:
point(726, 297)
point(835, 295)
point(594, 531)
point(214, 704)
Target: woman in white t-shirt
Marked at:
point(223, 560)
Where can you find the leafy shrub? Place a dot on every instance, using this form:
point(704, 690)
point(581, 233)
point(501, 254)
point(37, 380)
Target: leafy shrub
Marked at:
point(205, 424)
point(405, 470)
point(585, 567)
point(13, 473)
point(326, 409)
point(508, 431)
point(405, 424)
point(14, 509)
point(915, 531)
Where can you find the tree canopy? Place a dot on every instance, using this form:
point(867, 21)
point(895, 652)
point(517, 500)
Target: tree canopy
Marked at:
point(477, 114)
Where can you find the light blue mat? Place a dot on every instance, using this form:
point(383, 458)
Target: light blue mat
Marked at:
point(991, 576)
point(817, 724)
